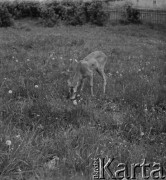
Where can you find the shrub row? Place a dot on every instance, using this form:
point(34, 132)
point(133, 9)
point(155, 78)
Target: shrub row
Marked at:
point(131, 15)
point(73, 13)
point(5, 17)
point(22, 9)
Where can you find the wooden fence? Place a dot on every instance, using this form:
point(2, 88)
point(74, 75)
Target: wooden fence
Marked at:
point(146, 15)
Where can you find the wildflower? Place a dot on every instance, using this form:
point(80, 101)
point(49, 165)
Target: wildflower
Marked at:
point(36, 86)
point(61, 57)
point(16, 60)
point(75, 60)
point(37, 115)
point(80, 99)
point(75, 102)
point(70, 59)
point(142, 133)
point(18, 136)
point(124, 141)
point(10, 91)
point(8, 142)
point(145, 108)
point(19, 170)
point(28, 59)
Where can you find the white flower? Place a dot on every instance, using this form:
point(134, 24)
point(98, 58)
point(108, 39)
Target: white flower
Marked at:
point(36, 86)
point(16, 60)
point(10, 91)
point(75, 102)
point(142, 133)
point(8, 142)
point(145, 108)
point(28, 59)
point(18, 136)
point(19, 170)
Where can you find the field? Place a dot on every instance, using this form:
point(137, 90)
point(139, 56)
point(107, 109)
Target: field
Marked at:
point(39, 126)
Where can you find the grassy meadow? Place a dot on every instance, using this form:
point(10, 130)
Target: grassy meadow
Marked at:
point(39, 126)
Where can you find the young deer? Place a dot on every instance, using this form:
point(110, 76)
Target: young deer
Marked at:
point(85, 68)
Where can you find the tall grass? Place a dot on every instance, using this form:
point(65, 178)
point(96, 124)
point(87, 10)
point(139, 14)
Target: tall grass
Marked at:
point(43, 135)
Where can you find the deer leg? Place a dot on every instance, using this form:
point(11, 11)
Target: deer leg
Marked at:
point(82, 85)
point(91, 84)
point(105, 81)
point(102, 74)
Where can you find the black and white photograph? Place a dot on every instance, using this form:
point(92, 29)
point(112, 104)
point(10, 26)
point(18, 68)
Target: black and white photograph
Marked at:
point(82, 89)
